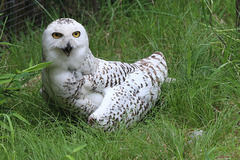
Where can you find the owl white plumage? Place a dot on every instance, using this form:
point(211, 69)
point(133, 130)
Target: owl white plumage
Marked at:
point(109, 93)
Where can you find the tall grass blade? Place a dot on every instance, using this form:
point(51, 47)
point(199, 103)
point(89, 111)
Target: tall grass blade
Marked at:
point(37, 67)
point(44, 9)
point(20, 118)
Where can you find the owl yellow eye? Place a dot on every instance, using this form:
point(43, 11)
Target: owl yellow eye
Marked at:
point(56, 35)
point(76, 34)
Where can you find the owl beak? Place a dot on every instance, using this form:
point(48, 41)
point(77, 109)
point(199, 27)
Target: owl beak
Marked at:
point(67, 50)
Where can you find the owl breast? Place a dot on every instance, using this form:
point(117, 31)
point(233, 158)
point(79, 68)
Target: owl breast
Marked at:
point(63, 82)
point(92, 95)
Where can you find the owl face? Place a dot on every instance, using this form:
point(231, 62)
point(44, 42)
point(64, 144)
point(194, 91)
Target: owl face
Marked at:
point(64, 38)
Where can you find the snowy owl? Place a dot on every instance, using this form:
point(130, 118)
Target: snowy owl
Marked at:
point(108, 93)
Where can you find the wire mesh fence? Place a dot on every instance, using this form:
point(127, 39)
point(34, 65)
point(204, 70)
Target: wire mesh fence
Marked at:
point(17, 13)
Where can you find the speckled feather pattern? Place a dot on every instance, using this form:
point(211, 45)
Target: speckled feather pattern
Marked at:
point(109, 93)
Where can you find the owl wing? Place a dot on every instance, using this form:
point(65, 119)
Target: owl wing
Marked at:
point(130, 101)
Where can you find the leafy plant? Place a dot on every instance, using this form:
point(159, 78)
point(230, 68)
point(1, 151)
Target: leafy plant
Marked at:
point(10, 83)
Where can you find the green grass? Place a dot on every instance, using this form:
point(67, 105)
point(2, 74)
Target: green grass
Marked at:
point(202, 49)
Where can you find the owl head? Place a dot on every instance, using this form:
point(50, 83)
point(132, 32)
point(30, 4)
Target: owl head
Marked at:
point(64, 39)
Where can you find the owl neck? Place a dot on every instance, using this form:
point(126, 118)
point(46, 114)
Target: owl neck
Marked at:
point(90, 63)
point(80, 60)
